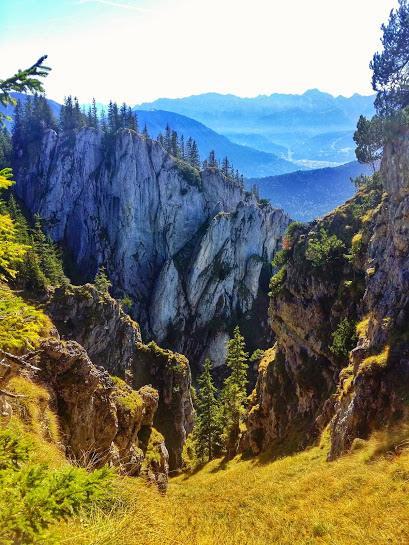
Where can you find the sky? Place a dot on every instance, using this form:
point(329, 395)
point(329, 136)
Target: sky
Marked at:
point(139, 50)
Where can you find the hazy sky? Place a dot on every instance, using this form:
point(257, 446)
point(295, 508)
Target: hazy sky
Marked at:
point(139, 50)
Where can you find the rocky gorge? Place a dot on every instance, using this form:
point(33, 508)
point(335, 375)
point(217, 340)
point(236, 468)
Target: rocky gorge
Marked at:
point(192, 249)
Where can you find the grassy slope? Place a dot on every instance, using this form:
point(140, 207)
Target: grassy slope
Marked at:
point(297, 500)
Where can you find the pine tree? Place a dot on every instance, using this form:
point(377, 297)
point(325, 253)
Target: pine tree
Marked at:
point(168, 138)
point(212, 162)
point(208, 423)
point(226, 167)
point(23, 81)
point(94, 115)
point(194, 156)
point(174, 144)
point(182, 147)
point(145, 132)
point(188, 150)
point(71, 116)
point(234, 393)
point(48, 256)
point(101, 282)
point(5, 148)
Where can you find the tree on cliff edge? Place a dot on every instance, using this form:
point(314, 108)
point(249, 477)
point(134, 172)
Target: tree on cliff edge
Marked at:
point(391, 67)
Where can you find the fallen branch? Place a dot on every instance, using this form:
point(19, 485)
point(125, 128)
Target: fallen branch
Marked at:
point(20, 360)
point(9, 394)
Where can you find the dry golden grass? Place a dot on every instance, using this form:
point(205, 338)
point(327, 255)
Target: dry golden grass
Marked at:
point(363, 498)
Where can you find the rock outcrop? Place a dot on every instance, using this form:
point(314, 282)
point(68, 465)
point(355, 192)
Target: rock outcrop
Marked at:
point(113, 342)
point(189, 247)
point(375, 390)
point(311, 296)
point(101, 419)
point(327, 296)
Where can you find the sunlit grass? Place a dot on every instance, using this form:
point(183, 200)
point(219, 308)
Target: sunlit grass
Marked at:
point(297, 500)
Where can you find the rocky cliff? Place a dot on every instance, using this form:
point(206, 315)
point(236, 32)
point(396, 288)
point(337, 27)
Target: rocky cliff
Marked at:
point(94, 418)
point(339, 309)
point(113, 342)
point(189, 247)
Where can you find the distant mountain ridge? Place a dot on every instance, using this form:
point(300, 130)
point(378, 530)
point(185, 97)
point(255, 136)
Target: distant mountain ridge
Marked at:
point(285, 120)
point(306, 195)
point(249, 161)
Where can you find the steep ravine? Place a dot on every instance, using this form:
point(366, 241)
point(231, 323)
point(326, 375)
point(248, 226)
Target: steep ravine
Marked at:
point(189, 247)
point(305, 384)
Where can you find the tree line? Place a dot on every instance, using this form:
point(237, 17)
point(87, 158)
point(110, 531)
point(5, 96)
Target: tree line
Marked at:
point(33, 115)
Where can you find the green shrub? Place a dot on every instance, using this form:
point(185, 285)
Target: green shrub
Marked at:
point(189, 173)
point(21, 325)
point(343, 338)
point(33, 496)
point(264, 202)
point(293, 228)
point(323, 248)
point(277, 282)
point(280, 258)
point(14, 450)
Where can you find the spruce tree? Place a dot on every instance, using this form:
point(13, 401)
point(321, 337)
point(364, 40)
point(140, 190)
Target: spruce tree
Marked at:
point(194, 156)
point(94, 115)
point(48, 255)
point(101, 282)
point(234, 394)
point(208, 424)
point(212, 162)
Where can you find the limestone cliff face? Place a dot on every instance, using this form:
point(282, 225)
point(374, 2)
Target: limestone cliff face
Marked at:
point(113, 341)
point(298, 377)
point(188, 247)
point(305, 383)
point(377, 391)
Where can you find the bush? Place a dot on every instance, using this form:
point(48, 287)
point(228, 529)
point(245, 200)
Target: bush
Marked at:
point(32, 496)
point(280, 258)
point(343, 338)
point(323, 248)
point(277, 282)
point(21, 325)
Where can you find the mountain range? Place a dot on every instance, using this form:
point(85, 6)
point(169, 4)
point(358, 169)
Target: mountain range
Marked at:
point(271, 123)
point(249, 161)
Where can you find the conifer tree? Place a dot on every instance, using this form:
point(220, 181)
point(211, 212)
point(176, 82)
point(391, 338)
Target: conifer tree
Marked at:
point(188, 150)
point(194, 155)
point(94, 115)
point(208, 423)
point(5, 148)
point(182, 147)
point(24, 81)
point(174, 144)
point(102, 282)
point(48, 256)
point(234, 393)
point(145, 131)
point(226, 167)
point(212, 162)
point(167, 138)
